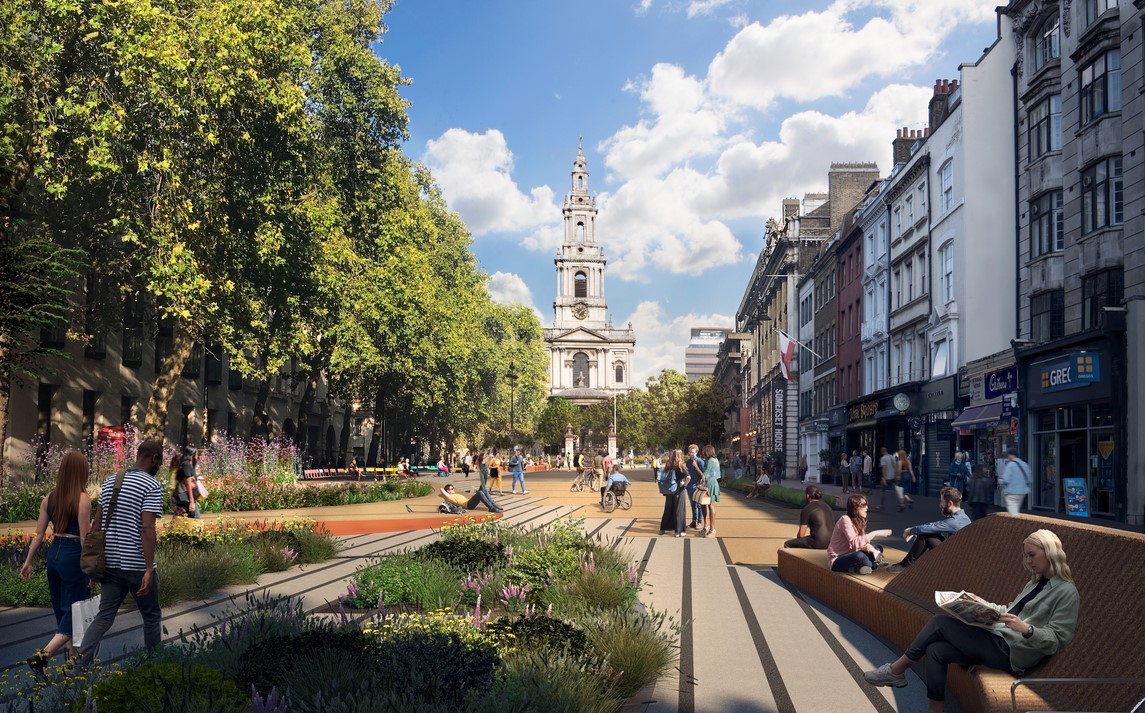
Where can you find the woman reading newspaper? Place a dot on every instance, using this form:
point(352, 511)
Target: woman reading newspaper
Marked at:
point(1038, 623)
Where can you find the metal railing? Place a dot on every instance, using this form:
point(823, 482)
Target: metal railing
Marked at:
point(1101, 681)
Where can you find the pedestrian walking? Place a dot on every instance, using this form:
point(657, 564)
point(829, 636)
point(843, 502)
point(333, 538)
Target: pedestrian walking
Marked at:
point(958, 472)
point(1015, 482)
point(904, 473)
point(129, 527)
point(495, 472)
point(980, 492)
point(517, 466)
point(868, 470)
point(854, 472)
point(711, 492)
point(68, 509)
point(886, 474)
point(695, 468)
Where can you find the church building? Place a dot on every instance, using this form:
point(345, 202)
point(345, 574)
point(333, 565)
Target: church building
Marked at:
point(589, 360)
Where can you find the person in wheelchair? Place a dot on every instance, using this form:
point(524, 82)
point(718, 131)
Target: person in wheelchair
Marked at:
point(617, 483)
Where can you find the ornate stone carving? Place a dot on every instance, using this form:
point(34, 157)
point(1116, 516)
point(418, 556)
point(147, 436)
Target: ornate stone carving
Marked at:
point(1066, 16)
point(1022, 28)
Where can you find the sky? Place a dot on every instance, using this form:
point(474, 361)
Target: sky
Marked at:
point(698, 117)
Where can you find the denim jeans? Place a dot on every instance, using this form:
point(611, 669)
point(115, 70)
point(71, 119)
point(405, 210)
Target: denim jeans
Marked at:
point(861, 558)
point(518, 475)
point(66, 582)
point(117, 584)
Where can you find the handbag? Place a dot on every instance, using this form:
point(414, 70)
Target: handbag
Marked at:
point(93, 560)
point(83, 614)
point(200, 490)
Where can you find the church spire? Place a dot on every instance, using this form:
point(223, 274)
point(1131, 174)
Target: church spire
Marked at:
point(580, 171)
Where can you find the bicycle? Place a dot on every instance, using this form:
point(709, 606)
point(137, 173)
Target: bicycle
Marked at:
point(583, 481)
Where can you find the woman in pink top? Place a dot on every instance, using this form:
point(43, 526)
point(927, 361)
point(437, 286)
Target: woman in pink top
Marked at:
point(851, 549)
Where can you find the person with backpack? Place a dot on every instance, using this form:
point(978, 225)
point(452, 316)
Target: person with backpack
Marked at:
point(672, 480)
point(958, 473)
point(457, 503)
point(1015, 482)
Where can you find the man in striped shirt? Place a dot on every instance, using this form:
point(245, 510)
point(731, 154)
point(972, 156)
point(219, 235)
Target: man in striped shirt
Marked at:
point(130, 549)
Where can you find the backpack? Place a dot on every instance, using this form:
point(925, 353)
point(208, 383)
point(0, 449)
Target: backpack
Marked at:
point(666, 481)
point(450, 509)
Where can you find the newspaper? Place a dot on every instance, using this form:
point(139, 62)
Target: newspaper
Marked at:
point(969, 608)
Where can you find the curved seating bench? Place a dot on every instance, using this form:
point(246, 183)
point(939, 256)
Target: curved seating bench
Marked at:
point(1108, 568)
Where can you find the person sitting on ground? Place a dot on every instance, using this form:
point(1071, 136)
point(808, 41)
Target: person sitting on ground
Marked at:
point(851, 549)
point(930, 535)
point(1040, 621)
point(481, 496)
point(442, 468)
point(816, 522)
point(615, 477)
point(353, 471)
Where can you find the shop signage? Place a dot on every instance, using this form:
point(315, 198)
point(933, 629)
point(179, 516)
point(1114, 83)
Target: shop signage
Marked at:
point(863, 411)
point(1073, 372)
point(822, 426)
point(939, 395)
point(999, 383)
point(778, 413)
point(1076, 499)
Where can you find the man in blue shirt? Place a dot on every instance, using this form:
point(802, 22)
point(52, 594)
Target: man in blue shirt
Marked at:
point(930, 535)
point(517, 464)
point(614, 477)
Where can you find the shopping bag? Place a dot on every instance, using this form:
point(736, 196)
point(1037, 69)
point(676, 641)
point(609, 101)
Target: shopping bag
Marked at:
point(83, 614)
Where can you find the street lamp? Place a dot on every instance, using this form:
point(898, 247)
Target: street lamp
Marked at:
point(512, 377)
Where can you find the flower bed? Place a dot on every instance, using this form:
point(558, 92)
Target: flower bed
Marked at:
point(553, 626)
point(193, 561)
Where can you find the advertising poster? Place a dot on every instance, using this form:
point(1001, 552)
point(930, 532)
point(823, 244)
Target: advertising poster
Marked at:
point(1076, 499)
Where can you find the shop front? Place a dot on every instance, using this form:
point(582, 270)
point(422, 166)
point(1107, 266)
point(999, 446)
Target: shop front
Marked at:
point(988, 426)
point(889, 418)
point(938, 408)
point(1073, 428)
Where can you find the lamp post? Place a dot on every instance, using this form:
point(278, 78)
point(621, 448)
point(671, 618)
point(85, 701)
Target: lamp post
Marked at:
point(512, 377)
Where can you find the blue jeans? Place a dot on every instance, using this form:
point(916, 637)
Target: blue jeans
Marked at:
point(855, 559)
point(66, 582)
point(697, 511)
point(518, 475)
point(117, 584)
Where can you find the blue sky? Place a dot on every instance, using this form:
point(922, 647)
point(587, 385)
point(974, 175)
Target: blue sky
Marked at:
point(698, 118)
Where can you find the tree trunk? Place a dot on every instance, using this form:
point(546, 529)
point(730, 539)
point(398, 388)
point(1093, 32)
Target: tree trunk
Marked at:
point(258, 424)
point(303, 422)
point(155, 426)
point(376, 436)
point(344, 437)
point(5, 390)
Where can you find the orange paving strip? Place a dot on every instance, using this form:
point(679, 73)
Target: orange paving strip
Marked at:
point(366, 527)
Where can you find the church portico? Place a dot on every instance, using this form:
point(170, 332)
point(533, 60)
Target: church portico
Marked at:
point(590, 360)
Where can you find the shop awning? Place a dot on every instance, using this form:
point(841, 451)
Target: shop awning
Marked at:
point(865, 423)
point(990, 413)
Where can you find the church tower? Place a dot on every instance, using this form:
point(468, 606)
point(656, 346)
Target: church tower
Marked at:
point(589, 360)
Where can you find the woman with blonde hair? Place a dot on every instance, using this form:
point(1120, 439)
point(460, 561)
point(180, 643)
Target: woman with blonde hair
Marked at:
point(1040, 621)
point(903, 468)
point(68, 509)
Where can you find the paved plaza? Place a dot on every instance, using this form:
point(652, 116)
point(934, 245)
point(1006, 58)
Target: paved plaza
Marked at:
point(753, 643)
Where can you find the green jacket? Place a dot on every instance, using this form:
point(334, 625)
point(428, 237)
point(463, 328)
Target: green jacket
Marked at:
point(483, 476)
point(1053, 614)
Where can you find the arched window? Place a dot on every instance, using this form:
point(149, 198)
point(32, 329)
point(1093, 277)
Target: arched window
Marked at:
point(580, 182)
point(1047, 41)
point(580, 370)
point(619, 373)
point(581, 286)
point(580, 232)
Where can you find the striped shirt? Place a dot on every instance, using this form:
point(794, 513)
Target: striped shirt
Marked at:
point(140, 493)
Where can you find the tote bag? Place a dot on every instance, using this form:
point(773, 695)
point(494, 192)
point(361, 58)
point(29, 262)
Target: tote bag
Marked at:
point(83, 614)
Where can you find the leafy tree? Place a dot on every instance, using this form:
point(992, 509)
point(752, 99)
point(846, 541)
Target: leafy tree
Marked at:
point(553, 420)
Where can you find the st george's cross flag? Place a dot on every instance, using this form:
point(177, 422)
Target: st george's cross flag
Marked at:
point(786, 352)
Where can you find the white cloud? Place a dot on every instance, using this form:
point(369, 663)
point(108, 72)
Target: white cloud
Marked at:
point(705, 7)
point(509, 289)
point(474, 171)
point(823, 54)
point(661, 341)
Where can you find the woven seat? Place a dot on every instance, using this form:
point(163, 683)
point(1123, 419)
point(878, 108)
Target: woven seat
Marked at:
point(984, 558)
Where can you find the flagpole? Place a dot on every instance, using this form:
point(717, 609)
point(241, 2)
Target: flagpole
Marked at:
point(796, 341)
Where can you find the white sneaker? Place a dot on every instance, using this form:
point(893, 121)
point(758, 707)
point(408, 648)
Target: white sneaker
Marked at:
point(524, 492)
point(883, 676)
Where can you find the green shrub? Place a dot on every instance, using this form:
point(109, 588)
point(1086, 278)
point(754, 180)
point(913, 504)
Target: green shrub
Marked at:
point(637, 646)
point(21, 501)
point(390, 576)
point(602, 589)
point(540, 567)
point(539, 681)
point(169, 688)
point(465, 554)
point(305, 663)
point(549, 633)
point(188, 573)
point(436, 659)
point(436, 586)
point(15, 592)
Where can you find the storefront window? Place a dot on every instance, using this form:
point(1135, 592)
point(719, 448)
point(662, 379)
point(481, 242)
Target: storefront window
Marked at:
point(1075, 442)
point(1043, 495)
point(1101, 459)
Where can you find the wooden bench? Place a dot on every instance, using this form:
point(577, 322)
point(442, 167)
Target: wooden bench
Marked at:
point(1108, 568)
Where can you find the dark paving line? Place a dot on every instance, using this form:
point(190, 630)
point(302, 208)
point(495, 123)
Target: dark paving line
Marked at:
point(590, 535)
point(880, 704)
point(644, 561)
point(687, 643)
point(624, 532)
point(783, 703)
